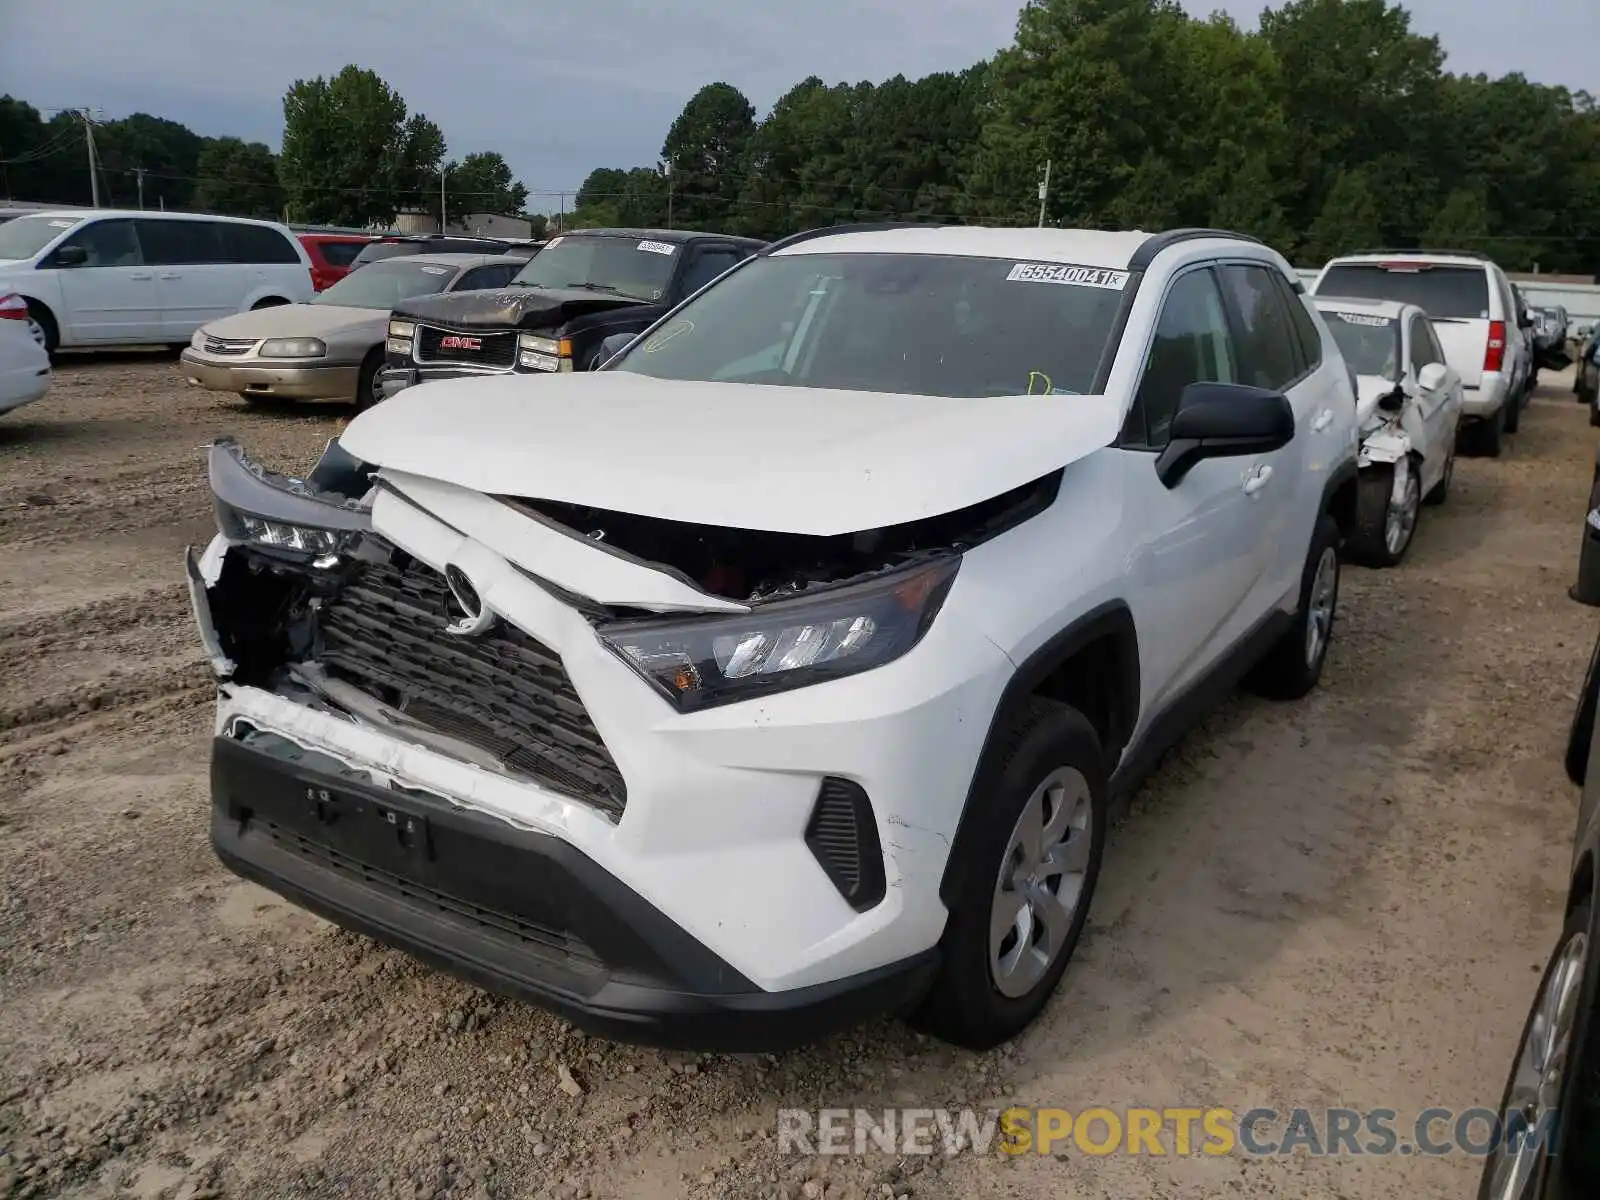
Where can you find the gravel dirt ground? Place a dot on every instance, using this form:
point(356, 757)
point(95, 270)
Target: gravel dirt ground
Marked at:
point(1344, 901)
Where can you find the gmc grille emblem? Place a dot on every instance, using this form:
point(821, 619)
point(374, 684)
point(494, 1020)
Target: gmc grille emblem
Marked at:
point(455, 341)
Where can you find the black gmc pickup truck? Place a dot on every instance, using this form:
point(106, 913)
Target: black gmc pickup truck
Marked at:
point(582, 288)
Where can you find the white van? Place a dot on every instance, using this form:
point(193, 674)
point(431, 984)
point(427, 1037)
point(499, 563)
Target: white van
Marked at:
point(98, 278)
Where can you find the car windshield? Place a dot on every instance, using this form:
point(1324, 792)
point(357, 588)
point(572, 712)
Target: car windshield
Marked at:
point(385, 284)
point(634, 267)
point(1444, 293)
point(914, 324)
point(26, 236)
point(1369, 343)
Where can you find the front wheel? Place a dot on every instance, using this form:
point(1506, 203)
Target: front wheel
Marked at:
point(1547, 1145)
point(1028, 867)
point(1294, 664)
point(368, 390)
point(1384, 524)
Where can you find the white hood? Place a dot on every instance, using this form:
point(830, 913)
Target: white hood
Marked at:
point(781, 459)
point(299, 320)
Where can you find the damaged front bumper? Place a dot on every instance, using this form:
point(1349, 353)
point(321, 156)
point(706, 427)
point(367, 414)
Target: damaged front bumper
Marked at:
point(518, 912)
point(520, 807)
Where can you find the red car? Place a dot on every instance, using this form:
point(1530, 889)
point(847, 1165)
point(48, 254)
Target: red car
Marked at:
point(331, 255)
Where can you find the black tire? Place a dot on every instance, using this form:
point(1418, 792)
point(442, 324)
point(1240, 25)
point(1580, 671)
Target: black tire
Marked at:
point(1513, 412)
point(366, 383)
point(1291, 669)
point(1368, 544)
point(46, 321)
point(1482, 439)
point(964, 1006)
point(1571, 1163)
point(1440, 492)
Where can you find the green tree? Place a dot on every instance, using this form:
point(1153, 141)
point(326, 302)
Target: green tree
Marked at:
point(1350, 219)
point(707, 147)
point(351, 155)
point(166, 152)
point(602, 185)
point(482, 183)
point(1362, 92)
point(1084, 87)
point(240, 178)
point(1462, 221)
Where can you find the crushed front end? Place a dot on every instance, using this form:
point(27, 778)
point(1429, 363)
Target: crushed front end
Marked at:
point(423, 738)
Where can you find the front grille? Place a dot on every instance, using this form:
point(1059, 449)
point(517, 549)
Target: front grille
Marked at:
point(228, 346)
point(495, 351)
point(530, 936)
point(502, 692)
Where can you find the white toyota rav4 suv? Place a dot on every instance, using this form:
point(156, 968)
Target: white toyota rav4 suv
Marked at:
point(784, 670)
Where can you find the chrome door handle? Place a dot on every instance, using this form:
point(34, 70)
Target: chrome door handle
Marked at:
point(1257, 480)
point(171, 276)
point(1322, 421)
point(140, 275)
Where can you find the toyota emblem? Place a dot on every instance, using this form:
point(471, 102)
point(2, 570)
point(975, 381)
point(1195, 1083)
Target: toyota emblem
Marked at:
point(476, 617)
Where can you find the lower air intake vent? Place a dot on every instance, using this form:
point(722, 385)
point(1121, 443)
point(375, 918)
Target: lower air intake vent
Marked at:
point(844, 837)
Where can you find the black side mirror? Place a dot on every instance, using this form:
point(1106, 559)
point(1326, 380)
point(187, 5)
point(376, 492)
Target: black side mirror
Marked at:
point(610, 347)
point(71, 256)
point(1223, 420)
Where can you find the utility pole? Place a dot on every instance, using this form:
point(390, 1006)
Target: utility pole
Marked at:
point(669, 193)
point(139, 174)
point(441, 197)
point(1044, 191)
point(94, 178)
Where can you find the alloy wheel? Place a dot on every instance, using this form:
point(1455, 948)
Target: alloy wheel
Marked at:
point(1041, 880)
point(1400, 522)
point(1541, 1067)
point(1319, 606)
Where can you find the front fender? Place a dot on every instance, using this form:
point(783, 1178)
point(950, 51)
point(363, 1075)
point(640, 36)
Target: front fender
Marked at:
point(1386, 445)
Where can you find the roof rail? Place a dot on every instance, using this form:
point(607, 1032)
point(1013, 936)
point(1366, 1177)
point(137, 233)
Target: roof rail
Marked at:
point(1419, 250)
point(1157, 242)
point(806, 235)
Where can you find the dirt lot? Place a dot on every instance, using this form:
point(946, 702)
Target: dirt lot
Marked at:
point(1344, 901)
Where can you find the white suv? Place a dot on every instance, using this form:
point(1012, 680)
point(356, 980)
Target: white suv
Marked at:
point(1474, 311)
point(786, 669)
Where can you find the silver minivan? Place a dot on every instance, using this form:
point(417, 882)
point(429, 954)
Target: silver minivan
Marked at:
point(108, 278)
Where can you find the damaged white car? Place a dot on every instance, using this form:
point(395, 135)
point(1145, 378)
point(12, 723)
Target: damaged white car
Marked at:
point(785, 670)
point(1409, 408)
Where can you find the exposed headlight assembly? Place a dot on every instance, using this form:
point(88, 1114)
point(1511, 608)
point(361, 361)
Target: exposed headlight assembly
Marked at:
point(293, 348)
point(399, 338)
point(279, 514)
point(700, 662)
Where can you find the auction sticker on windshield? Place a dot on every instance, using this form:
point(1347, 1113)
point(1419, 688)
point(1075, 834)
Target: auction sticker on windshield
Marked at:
point(1095, 277)
point(1364, 319)
point(658, 247)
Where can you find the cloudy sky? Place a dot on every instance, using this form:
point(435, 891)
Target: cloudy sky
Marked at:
point(559, 89)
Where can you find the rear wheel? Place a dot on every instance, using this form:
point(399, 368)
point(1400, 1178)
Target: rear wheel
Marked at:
point(43, 327)
point(1440, 492)
point(1294, 665)
point(1513, 411)
point(1028, 869)
point(1483, 438)
point(368, 392)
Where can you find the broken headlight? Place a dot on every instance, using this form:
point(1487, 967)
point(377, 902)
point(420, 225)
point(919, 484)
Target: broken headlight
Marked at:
point(703, 661)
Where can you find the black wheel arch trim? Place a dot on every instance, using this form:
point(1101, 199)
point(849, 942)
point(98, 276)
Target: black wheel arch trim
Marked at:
point(1337, 478)
point(1112, 618)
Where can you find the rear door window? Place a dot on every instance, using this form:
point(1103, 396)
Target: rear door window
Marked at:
point(1269, 350)
point(339, 254)
point(256, 244)
point(180, 243)
point(1445, 293)
point(483, 278)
